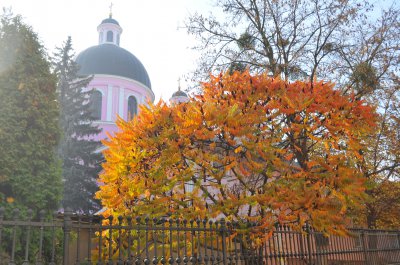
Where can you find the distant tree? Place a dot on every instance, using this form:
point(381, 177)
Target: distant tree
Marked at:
point(384, 206)
point(249, 147)
point(382, 159)
point(328, 39)
point(30, 170)
point(77, 149)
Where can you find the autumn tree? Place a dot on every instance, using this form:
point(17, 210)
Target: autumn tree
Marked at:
point(249, 147)
point(77, 148)
point(30, 173)
point(356, 43)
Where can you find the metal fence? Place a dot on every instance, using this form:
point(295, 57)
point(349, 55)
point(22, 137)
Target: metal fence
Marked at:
point(83, 239)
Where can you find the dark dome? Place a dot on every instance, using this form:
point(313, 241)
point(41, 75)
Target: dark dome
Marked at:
point(179, 94)
point(109, 20)
point(110, 59)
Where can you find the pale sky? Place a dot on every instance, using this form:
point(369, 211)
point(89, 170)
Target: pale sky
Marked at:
point(150, 31)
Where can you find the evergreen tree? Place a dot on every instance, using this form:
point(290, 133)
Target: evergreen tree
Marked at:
point(77, 149)
point(30, 172)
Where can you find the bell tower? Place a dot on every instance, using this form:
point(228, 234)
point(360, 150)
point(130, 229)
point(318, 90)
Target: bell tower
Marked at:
point(109, 30)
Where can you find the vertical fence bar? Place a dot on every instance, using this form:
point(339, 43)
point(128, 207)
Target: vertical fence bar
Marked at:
point(185, 256)
point(278, 243)
point(1, 221)
point(100, 261)
point(120, 240)
point(284, 242)
point(138, 254)
point(146, 242)
point(110, 221)
point(41, 237)
point(300, 239)
point(341, 248)
point(223, 238)
point(192, 235)
point(205, 242)
point(335, 254)
point(285, 246)
point(317, 247)
point(397, 252)
point(89, 252)
point(308, 241)
point(264, 257)
point(178, 250)
point(250, 248)
point(28, 235)
point(78, 241)
point(288, 242)
point(348, 248)
point(229, 251)
point(354, 253)
point(53, 239)
point(217, 232)
point(128, 231)
point(272, 248)
point(163, 259)
point(14, 237)
point(383, 242)
point(110, 239)
point(363, 245)
point(171, 258)
point(199, 260)
point(67, 231)
point(155, 237)
point(236, 257)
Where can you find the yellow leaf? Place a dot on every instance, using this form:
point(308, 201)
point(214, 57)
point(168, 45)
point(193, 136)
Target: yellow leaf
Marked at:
point(237, 150)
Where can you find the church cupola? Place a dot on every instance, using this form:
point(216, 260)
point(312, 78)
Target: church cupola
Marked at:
point(179, 96)
point(109, 31)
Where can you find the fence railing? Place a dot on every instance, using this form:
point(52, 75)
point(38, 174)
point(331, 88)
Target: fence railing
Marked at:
point(82, 239)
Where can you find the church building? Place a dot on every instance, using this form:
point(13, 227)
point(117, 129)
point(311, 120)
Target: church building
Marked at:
point(120, 81)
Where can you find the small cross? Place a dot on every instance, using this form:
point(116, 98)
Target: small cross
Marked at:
point(179, 84)
point(111, 5)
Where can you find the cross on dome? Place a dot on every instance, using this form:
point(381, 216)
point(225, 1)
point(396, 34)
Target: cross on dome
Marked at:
point(111, 6)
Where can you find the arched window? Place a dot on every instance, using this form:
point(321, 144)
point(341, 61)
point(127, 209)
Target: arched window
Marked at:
point(132, 107)
point(96, 104)
point(109, 36)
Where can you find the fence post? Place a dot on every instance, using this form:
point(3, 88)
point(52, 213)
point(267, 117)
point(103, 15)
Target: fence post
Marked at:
point(1, 223)
point(67, 227)
point(309, 250)
point(14, 236)
point(223, 236)
point(398, 244)
point(363, 245)
point(398, 239)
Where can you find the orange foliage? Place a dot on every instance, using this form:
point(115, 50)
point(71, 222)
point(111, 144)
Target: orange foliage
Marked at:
point(249, 147)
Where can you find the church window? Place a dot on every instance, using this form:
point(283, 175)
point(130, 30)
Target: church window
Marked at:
point(96, 104)
point(110, 36)
point(132, 107)
point(117, 39)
